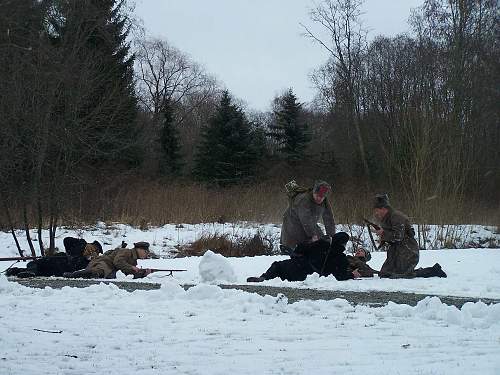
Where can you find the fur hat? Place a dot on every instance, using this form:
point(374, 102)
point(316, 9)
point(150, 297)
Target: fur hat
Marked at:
point(91, 251)
point(98, 246)
point(142, 245)
point(381, 201)
point(321, 188)
point(367, 256)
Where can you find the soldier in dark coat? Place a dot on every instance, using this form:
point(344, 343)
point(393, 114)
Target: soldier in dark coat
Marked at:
point(300, 220)
point(321, 256)
point(398, 237)
point(77, 256)
point(120, 259)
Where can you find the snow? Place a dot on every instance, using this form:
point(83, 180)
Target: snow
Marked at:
point(215, 268)
point(210, 330)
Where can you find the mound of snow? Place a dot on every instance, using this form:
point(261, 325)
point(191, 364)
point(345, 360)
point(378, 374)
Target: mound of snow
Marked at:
point(214, 267)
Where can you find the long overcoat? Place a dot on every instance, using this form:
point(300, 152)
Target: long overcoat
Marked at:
point(300, 220)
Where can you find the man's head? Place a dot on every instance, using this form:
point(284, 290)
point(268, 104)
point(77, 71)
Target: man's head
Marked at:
point(142, 249)
point(320, 189)
point(362, 253)
point(381, 206)
point(91, 250)
point(339, 240)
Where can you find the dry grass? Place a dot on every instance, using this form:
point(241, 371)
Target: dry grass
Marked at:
point(142, 203)
point(224, 245)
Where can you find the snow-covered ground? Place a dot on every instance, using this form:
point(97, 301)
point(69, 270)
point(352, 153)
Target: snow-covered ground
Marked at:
point(208, 330)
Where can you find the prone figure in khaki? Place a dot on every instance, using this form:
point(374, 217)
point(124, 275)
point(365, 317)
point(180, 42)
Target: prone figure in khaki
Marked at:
point(120, 259)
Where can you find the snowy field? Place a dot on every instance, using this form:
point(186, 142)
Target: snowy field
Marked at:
point(208, 330)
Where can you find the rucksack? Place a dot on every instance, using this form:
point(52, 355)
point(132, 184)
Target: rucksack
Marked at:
point(293, 189)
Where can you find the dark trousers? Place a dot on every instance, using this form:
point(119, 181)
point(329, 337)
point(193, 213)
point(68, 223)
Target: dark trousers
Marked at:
point(294, 269)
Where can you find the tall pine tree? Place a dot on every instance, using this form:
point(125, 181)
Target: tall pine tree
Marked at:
point(97, 30)
point(289, 129)
point(228, 152)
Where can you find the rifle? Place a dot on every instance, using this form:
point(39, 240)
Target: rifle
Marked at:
point(376, 227)
point(165, 270)
point(371, 224)
point(20, 258)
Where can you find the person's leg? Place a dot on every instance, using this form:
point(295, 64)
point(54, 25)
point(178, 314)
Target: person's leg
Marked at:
point(289, 269)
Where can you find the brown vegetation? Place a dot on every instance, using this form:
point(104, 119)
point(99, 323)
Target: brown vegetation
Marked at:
point(223, 244)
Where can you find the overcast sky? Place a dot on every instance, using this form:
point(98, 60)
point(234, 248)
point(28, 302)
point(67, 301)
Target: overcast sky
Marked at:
point(256, 48)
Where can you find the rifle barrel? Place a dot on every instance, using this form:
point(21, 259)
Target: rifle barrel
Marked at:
point(18, 258)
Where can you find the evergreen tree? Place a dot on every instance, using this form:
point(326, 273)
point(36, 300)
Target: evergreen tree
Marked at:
point(289, 129)
point(228, 152)
point(98, 29)
point(169, 143)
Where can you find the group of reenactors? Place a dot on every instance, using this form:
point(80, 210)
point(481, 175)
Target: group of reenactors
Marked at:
point(86, 260)
point(310, 250)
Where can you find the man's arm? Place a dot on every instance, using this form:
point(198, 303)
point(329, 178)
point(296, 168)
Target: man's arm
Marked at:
point(328, 219)
point(308, 220)
point(396, 232)
point(120, 262)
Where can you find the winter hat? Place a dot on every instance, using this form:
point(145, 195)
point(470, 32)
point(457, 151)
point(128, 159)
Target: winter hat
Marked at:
point(142, 245)
point(368, 255)
point(381, 201)
point(340, 238)
point(98, 246)
point(321, 188)
point(90, 251)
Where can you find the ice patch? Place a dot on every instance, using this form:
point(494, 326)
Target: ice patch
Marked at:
point(214, 267)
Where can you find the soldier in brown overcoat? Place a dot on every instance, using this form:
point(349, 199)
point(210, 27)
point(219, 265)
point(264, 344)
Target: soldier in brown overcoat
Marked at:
point(357, 262)
point(300, 220)
point(120, 259)
point(398, 237)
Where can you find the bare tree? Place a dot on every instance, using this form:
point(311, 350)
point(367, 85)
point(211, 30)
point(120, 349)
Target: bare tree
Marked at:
point(164, 74)
point(339, 79)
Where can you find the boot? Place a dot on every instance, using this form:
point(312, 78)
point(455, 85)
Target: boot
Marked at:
point(438, 271)
point(84, 274)
point(254, 279)
point(13, 271)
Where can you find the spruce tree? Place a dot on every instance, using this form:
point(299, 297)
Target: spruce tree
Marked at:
point(170, 162)
point(289, 129)
point(228, 152)
point(98, 30)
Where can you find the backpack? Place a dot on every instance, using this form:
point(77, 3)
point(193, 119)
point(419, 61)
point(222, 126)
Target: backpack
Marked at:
point(293, 189)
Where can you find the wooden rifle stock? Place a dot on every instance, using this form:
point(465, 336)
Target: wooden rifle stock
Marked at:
point(371, 224)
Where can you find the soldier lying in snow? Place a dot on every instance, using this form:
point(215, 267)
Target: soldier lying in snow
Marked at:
point(120, 259)
point(320, 256)
point(77, 256)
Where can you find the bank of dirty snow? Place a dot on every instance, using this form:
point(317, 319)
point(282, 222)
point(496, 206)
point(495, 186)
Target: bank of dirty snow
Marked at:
point(208, 330)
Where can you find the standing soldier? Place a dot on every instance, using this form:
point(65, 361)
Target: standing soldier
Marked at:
point(125, 260)
point(300, 220)
point(398, 236)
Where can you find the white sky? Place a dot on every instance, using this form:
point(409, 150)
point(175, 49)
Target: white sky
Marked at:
point(256, 47)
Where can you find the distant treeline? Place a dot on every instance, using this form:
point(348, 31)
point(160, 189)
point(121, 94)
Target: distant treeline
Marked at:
point(93, 111)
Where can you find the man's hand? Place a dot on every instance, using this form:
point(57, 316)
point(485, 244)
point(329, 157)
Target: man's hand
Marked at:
point(314, 238)
point(356, 274)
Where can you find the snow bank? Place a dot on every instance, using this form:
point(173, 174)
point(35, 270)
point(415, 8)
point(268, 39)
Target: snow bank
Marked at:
point(215, 268)
point(209, 330)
